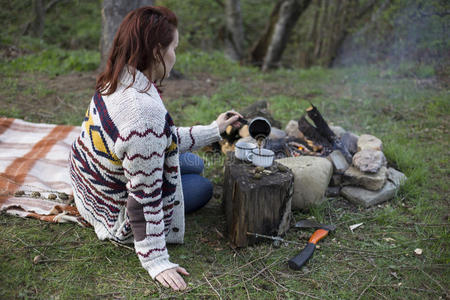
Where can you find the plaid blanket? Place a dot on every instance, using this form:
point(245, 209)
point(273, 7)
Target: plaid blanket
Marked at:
point(34, 173)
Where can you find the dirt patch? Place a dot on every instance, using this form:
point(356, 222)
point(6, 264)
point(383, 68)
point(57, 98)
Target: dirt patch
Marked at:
point(202, 85)
point(39, 97)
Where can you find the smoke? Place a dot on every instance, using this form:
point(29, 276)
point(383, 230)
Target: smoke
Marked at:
point(400, 32)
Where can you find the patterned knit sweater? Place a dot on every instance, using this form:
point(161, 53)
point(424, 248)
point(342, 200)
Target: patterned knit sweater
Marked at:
point(128, 149)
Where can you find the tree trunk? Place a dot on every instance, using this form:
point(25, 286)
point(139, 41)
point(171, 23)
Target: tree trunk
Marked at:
point(259, 50)
point(273, 42)
point(37, 26)
point(113, 12)
point(234, 42)
point(256, 203)
point(329, 23)
point(305, 56)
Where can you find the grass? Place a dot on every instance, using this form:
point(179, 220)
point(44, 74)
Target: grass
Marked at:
point(408, 112)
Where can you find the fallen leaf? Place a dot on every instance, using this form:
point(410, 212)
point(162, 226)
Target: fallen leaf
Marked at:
point(418, 251)
point(354, 226)
point(388, 239)
point(395, 275)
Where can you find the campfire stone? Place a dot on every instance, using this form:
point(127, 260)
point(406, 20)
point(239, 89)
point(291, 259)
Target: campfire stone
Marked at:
point(350, 141)
point(396, 177)
point(366, 198)
point(292, 130)
point(311, 178)
point(336, 180)
point(370, 181)
point(277, 133)
point(369, 160)
point(340, 165)
point(332, 191)
point(338, 130)
point(367, 141)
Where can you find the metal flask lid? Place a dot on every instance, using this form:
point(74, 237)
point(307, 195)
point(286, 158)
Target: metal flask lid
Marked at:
point(259, 128)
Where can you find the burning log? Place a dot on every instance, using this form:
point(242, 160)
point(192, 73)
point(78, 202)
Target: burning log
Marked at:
point(321, 133)
point(312, 134)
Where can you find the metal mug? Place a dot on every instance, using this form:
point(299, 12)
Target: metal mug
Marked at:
point(261, 157)
point(259, 128)
point(242, 149)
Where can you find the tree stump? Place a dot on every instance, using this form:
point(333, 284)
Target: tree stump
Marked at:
point(256, 200)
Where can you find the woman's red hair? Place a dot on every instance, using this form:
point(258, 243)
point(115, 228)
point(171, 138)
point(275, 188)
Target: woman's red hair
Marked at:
point(141, 36)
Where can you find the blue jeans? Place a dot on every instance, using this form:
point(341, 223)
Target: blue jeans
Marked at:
point(197, 190)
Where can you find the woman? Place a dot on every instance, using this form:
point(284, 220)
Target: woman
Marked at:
point(125, 165)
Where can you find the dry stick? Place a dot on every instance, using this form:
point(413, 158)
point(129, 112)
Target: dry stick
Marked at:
point(407, 287)
point(425, 224)
point(254, 276)
point(434, 280)
point(121, 245)
point(223, 274)
point(294, 291)
point(62, 260)
point(218, 295)
point(367, 287)
point(345, 282)
point(246, 290)
point(375, 290)
point(29, 246)
point(319, 266)
point(288, 289)
point(76, 244)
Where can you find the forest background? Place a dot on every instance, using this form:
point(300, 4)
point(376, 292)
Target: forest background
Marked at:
point(377, 67)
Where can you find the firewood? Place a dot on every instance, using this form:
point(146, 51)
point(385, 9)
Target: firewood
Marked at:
point(311, 133)
point(324, 130)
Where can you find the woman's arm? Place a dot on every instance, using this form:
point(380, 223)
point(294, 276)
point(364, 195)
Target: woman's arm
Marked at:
point(141, 149)
point(195, 137)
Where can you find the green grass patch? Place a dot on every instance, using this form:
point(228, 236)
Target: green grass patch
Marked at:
point(53, 61)
point(376, 260)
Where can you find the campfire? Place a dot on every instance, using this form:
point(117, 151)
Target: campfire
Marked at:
point(359, 170)
point(314, 161)
point(312, 140)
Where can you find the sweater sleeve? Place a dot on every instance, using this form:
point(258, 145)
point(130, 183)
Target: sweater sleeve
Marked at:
point(195, 137)
point(142, 153)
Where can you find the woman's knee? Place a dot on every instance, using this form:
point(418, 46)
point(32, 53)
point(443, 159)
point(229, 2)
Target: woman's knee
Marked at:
point(191, 163)
point(197, 191)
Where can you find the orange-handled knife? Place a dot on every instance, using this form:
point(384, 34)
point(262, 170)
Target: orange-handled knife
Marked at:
point(298, 261)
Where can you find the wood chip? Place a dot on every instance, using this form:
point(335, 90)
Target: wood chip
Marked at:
point(354, 226)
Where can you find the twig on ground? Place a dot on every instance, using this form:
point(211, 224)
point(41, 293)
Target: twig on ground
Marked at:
point(368, 260)
point(19, 239)
point(434, 280)
point(407, 287)
point(228, 272)
point(375, 290)
point(367, 287)
point(121, 245)
point(246, 291)
point(107, 294)
point(209, 283)
point(293, 291)
point(350, 276)
point(39, 261)
point(254, 276)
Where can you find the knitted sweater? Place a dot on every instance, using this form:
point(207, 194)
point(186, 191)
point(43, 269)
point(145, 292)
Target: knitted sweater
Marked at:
point(129, 147)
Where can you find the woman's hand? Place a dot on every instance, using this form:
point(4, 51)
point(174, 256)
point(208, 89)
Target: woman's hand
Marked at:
point(171, 278)
point(224, 119)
